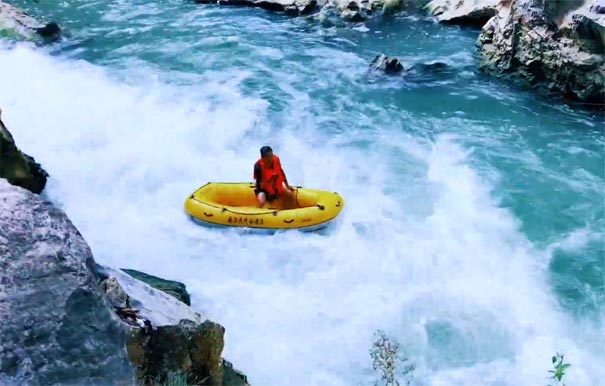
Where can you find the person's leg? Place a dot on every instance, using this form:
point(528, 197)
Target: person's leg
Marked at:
point(262, 199)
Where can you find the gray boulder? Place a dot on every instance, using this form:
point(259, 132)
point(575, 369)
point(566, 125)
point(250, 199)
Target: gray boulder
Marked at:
point(56, 325)
point(386, 64)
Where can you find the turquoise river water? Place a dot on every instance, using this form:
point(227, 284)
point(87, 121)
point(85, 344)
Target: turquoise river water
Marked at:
point(474, 225)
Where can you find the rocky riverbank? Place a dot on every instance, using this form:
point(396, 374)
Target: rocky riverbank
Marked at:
point(555, 46)
point(348, 10)
point(16, 23)
point(552, 45)
point(66, 320)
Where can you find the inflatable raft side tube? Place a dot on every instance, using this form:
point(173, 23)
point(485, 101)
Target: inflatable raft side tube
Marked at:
point(311, 228)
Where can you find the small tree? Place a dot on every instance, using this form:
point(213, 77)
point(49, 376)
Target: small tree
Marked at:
point(559, 368)
point(386, 358)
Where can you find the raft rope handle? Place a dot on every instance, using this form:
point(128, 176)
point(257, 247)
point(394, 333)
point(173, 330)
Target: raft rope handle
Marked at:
point(208, 214)
point(296, 195)
point(289, 221)
point(321, 207)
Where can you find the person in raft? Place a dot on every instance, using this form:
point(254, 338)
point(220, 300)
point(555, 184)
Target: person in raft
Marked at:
point(271, 181)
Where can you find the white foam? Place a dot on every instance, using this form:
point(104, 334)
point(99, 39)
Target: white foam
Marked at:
point(298, 308)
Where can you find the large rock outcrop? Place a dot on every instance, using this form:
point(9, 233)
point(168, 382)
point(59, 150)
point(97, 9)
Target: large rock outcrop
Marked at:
point(467, 12)
point(56, 325)
point(554, 45)
point(167, 337)
point(17, 167)
point(348, 10)
point(66, 320)
point(16, 23)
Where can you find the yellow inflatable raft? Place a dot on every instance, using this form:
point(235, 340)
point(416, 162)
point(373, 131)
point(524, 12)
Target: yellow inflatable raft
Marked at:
point(235, 205)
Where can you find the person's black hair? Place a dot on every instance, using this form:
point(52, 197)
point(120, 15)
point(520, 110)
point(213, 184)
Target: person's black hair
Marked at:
point(265, 150)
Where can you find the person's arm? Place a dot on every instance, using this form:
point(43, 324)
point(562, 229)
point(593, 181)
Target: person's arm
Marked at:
point(285, 178)
point(257, 176)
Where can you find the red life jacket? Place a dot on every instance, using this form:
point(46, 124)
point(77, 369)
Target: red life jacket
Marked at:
point(271, 177)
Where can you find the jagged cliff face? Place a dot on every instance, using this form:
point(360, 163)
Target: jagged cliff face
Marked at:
point(554, 45)
point(55, 322)
point(66, 320)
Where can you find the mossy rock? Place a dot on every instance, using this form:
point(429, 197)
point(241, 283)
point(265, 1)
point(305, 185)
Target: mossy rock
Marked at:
point(17, 167)
point(189, 350)
point(171, 287)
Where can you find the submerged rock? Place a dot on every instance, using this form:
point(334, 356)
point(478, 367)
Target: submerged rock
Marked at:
point(548, 45)
point(14, 22)
point(17, 167)
point(166, 336)
point(466, 12)
point(171, 287)
point(417, 72)
point(56, 325)
point(387, 65)
point(432, 74)
point(434, 68)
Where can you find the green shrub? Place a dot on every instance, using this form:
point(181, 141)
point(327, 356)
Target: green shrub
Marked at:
point(559, 368)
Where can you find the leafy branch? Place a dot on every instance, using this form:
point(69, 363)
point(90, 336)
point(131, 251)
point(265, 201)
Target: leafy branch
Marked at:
point(559, 368)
